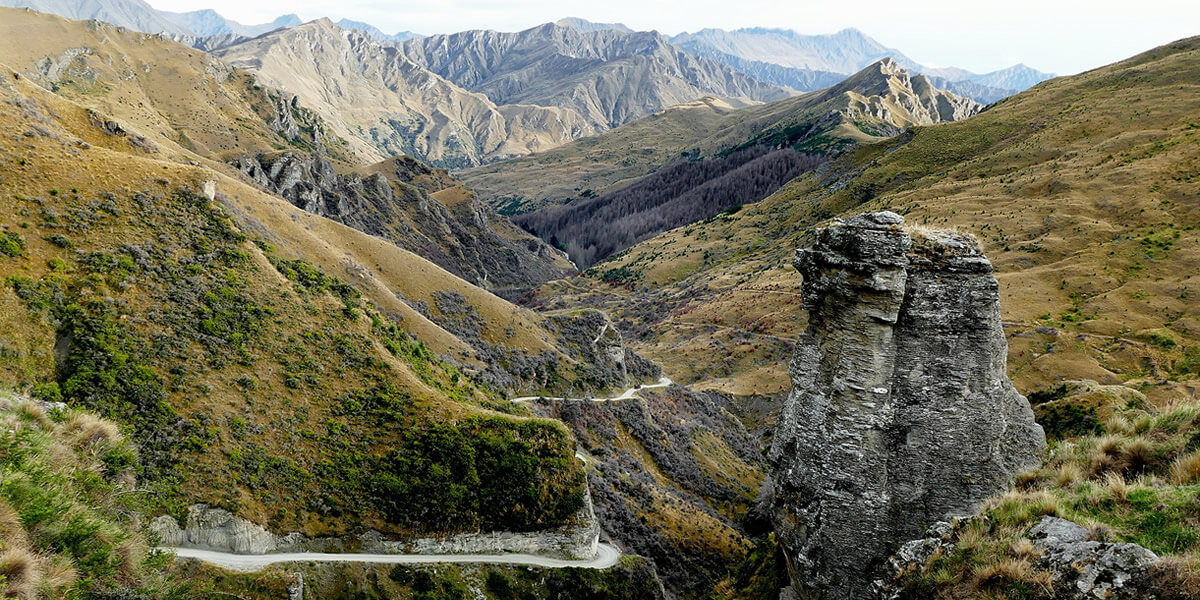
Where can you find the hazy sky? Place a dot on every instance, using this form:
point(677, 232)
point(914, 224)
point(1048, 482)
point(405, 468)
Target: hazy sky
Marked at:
point(1052, 35)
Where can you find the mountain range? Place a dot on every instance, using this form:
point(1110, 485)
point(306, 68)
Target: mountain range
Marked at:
point(772, 56)
point(809, 62)
point(476, 97)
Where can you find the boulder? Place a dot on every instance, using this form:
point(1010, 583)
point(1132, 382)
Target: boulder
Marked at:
point(1085, 570)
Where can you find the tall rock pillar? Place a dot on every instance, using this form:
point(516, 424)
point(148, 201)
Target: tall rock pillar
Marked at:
point(901, 412)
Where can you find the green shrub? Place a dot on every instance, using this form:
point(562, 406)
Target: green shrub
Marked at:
point(11, 244)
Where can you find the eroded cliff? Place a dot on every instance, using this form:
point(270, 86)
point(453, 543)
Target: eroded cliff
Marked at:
point(901, 413)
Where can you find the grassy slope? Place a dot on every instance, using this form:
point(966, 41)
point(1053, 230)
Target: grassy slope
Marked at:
point(596, 164)
point(1083, 190)
point(141, 300)
point(1126, 470)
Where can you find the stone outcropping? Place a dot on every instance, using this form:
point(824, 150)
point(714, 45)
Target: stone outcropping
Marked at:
point(217, 529)
point(577, 540)
point(1085, 569)
point(901, 412)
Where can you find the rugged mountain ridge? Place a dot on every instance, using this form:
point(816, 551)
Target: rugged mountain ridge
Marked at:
point(384, 104)
point(901, 413)
point(608, 76)
point(811, 62)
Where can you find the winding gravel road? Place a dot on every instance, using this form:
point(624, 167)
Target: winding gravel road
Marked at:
point(606, 556)
point(626, 395)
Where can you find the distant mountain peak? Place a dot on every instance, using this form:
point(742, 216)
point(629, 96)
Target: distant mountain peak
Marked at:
point(584, 25)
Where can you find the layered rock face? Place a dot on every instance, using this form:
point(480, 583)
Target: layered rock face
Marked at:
point(901, 413)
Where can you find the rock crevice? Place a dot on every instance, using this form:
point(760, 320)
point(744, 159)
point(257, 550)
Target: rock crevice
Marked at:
point(901, 412)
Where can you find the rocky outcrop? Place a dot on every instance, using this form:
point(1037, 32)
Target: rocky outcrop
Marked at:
point(1085, 569)
point(1080, 568)
point(395, 200)
point(901, 412)
point(217, 529)
point(577, 540)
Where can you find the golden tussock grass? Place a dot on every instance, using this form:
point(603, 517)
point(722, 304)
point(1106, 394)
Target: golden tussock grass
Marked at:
point(86, 431)
point(21, 571)
point(1008, 571)
point(1186, 469)
point(1117, 486)
point(1068, 475)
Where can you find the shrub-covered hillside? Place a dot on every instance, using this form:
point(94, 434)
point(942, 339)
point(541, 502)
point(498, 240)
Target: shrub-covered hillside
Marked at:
point(248, 378)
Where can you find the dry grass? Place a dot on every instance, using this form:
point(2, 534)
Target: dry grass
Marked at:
point(1186, 469)
point(1068, 475)
point(1117, 487)
point(21, 571)
point(1178, 577)
point(1008, 572)
point(86, 431)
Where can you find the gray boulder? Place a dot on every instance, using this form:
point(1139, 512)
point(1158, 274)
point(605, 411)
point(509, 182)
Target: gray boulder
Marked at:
point(1087, 570)
point(901, 413)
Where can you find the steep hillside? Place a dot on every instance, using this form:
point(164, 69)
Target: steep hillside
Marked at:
point(131, 293)
point(384, 104)
point(148, 82)
point(607, 76)
point(877, 102)
point(1082, 190)
point(415, 207)
point(179, 101)
point(191, 109)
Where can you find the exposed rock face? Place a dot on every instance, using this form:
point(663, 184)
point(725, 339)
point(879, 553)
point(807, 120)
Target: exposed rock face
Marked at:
point(577, 540)
point(887, 93)
point(901, 412)
point(384, 104)
point(395, 200)
point(218, 529)
point(1084, 569)
point(651, 467)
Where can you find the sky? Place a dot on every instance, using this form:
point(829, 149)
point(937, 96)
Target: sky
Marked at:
point(1058, 36)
